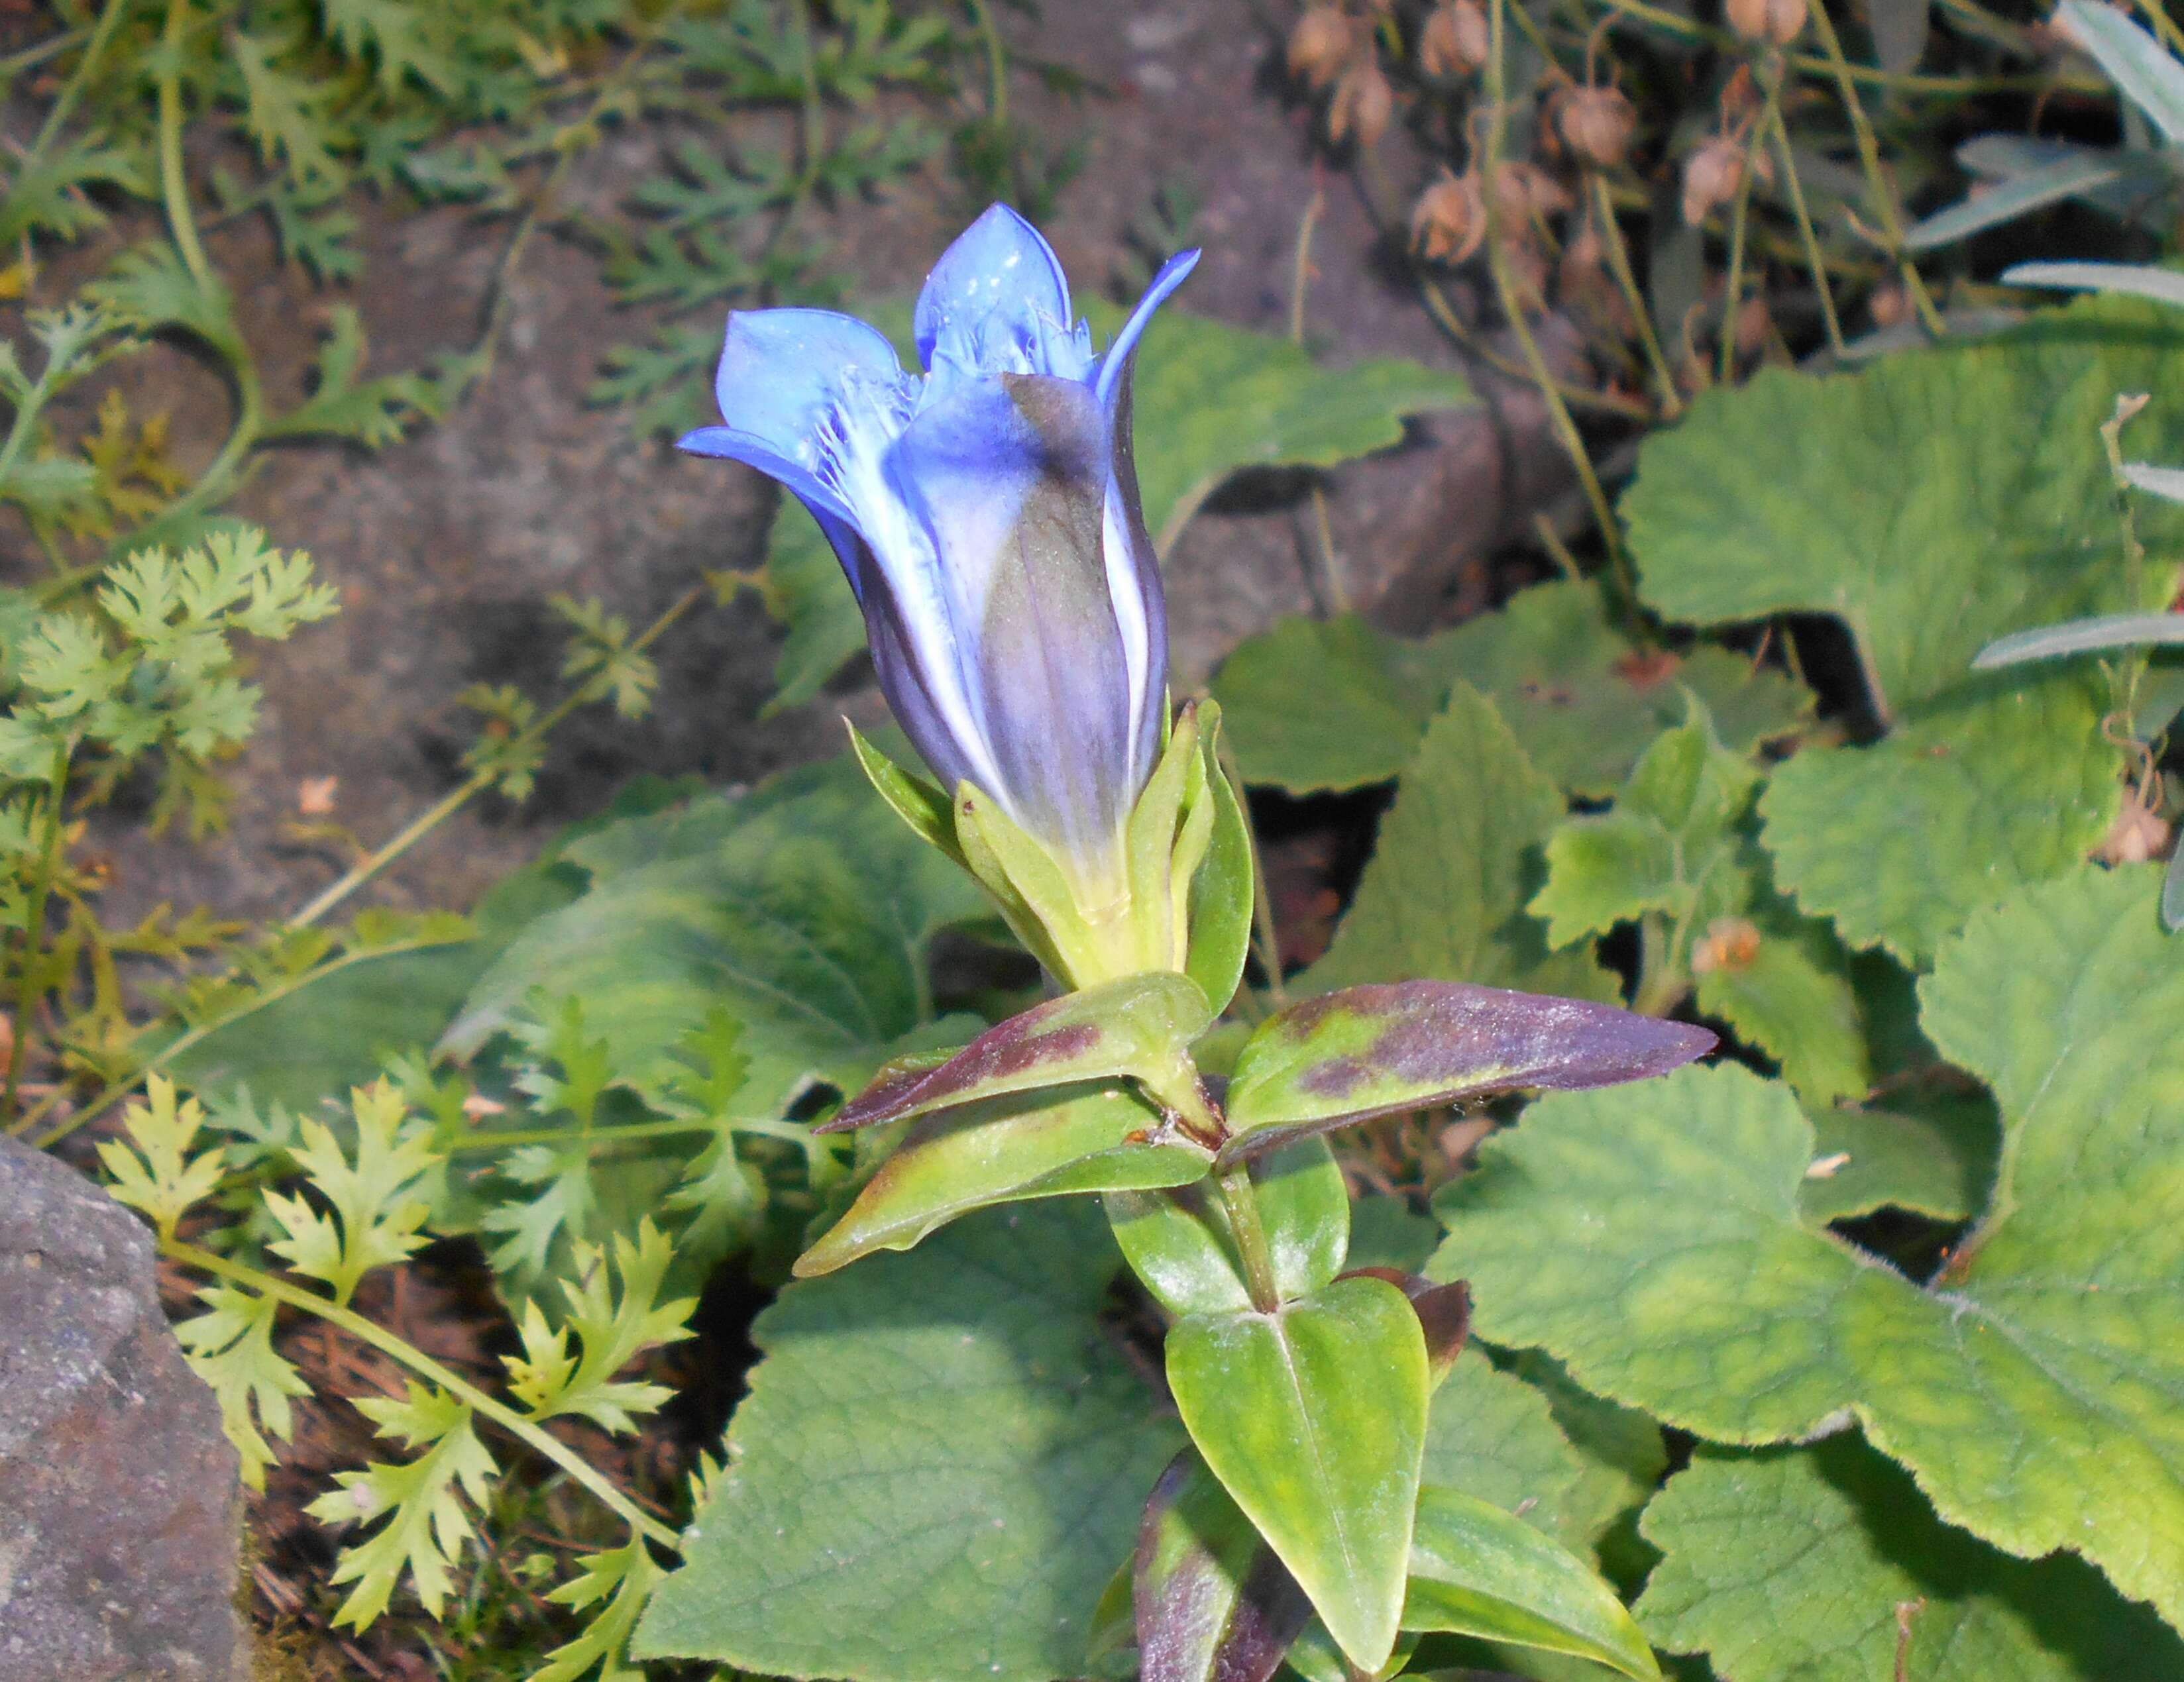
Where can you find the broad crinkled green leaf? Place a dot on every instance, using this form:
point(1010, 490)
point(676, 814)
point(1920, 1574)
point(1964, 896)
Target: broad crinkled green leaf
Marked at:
point(1582, 700)
point(1791, 996)
point(1931, 502)
point(1325, 1462)
point(941, 1463)
point(1932, 1155)
point(808, 921)
point(1898, 842)
point(1789, 1565)
point(1653, 1240)
point(1443, 899)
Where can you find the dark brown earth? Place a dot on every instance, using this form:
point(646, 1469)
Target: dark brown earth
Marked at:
point(446, 547)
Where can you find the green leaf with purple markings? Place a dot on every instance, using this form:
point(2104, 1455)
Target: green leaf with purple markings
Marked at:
point(1180, 1244)
point(1076, 1139)
point(1477, 1571)
point(1373, 1051)
point(1139, 1025)
point(1313, 1418)
point(1212, 1602)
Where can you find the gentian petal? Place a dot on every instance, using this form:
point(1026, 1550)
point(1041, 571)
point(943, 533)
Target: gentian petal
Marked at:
point(1115, 360)
point(731, 445)
point(1010, 478)
point(997, 302)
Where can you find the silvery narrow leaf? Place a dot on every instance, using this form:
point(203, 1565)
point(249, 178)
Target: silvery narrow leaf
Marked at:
point(2163, 285)
point(2133, 59)
point(2162, 482)
point(2065, 178)
point(2080, 636)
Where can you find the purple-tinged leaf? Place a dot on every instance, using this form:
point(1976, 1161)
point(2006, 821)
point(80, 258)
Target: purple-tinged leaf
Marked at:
point(1368, 1051)
point(1140, 1024)
point(1444, 1314)
point(1212, 1602)
point(1081, 1139)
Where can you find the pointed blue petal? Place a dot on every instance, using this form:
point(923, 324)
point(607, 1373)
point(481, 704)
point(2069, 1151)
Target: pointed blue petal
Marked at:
point(731, 445)
point(997, 301)
point(1115, 360)
point(783, 377)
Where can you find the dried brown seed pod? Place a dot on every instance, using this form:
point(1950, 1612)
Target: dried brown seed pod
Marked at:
point(2136, 836)
point(1449, 220)
point(1320, 45)
point(1523, 191)
point(1729, 943)
point(1455, 40)
point(1712, 175)
point(1778, 21)
point(1596, 125)
point(1363, 105)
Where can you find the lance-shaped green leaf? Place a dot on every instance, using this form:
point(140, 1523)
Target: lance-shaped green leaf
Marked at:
point(1476, 1571)
point(1139, 1025)
point(1789, 1564)
point(2134, 60)
point(1212, 1602)
point(1656, 1245)
point(2084, 171)
point(1181, 1245)
point(1372, 1051)
point(1076, 1138)
point(1313, 1418)
point(2124, 280)
point(1444, 1312)
point(1221, 891)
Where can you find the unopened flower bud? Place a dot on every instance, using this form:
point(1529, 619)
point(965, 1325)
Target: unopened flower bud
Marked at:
point(1778, 21)
point(1711, 177)
point(1363, 105)
point(1449, 220)
point(1597, 123)
point(1455, 40)
point(1319, 45)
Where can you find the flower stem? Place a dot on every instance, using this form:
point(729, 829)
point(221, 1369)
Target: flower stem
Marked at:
point(1618, 262)
point(1241, 1201)
point(1806, 237)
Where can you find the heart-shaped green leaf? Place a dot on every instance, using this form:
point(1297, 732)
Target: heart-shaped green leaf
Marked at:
point(1080, 1139)
point(1313, 1418)
point(1140, 1024)
point(1371, 1050)
point(1212, 1603)
point(1476, 1571)
point(1179, 1242)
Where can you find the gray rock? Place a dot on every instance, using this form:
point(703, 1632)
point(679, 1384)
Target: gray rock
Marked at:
point(119, 1496)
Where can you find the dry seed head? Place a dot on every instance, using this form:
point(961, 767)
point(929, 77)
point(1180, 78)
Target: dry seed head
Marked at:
point(1364, 103)
point(1320, 45)
point(1523, 191)
point(1596, 125)
point(1449, 220)
point(1729, 943)
point(1778, 21)
point(1712, 177)
point(2136, 836)
point(1455, 40)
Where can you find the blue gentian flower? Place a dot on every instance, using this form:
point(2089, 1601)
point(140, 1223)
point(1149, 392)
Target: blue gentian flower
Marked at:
point(987, 517)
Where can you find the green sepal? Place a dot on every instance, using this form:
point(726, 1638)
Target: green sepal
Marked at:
point(1477, 1571)
point(1313, 1418)
point(1076, 1139)
point(1149, 843)
point(1222, 890)
point(924, 806)
point(1179, 1244)
point(1001, 856)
